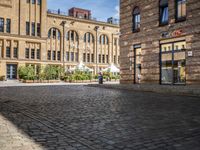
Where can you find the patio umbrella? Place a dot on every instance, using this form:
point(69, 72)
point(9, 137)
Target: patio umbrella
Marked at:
point(112, 68)
point(81, 67)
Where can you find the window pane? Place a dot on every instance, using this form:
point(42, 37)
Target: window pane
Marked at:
point(165, 16)
point(167, 72)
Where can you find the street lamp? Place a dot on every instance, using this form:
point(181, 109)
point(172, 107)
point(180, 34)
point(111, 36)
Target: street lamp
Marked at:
point(97, 39)
point(63, 23)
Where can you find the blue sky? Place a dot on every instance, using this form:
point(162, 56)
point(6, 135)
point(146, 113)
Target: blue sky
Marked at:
point(101, 9)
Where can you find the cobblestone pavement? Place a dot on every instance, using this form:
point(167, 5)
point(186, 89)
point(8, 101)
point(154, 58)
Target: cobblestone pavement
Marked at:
point(78, 117)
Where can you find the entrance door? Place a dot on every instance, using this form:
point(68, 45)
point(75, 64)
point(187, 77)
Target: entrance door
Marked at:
point(137, 65)
point(11, 71)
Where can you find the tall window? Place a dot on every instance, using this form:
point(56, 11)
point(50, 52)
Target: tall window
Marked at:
point(137, 63)
point(39, 2)
point(15, 52)
point(27, 53)
point(8, 25)
point(103, 39)
point(33, 1)
point(67, 56)
point(88, 57)
point(136, 19)
point(38, 29)
point(38, 53)
point(49, 55)
point(1, 24)
point(72, 56)
point(76, 57)
point(180, 10)
point(84, 57)
point(27, 28)
point(58, 55)
point(54, 55)
point(164, 12)
point(32, 53)
point(8, 52)
point(33, 29)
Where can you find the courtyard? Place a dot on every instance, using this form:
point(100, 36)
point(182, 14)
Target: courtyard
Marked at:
point(79, 117)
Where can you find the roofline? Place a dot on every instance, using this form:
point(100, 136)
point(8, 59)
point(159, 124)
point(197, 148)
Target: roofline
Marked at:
point(82, 20)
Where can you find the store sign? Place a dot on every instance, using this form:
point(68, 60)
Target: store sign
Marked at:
point(175, 33)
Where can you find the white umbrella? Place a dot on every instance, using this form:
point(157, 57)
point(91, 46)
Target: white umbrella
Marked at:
point(81, 67)
point(112, 68)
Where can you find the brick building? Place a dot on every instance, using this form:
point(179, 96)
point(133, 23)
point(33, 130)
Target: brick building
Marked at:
point(160, 42)
point(31, 35)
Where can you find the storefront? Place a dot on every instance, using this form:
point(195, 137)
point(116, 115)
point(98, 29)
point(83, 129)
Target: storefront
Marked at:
point(173, 62)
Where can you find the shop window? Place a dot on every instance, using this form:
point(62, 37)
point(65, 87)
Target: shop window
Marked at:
point(173, 63)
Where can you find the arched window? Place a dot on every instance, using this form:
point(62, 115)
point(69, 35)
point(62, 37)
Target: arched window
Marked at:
point(180, 10)
point(136, 19)
point(54, 33)
point(103, 39)
point(72, 35)
point(164, 12)
point(88, 37)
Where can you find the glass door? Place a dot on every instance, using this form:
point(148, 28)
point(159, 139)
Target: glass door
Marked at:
point(137, 63)
point(11, 71)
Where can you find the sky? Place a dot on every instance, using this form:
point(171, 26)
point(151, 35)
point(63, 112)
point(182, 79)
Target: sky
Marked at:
point(101, 9)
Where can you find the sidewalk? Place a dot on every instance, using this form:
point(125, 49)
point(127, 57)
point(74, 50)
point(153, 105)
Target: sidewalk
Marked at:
point(164, 89)
point(11, 83)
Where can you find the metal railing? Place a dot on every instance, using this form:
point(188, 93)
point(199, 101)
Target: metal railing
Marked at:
point(58, 12)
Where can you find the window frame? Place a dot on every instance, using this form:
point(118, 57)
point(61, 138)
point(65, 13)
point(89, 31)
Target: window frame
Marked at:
point(161, 8)
point(182, 18)
point(136, 12)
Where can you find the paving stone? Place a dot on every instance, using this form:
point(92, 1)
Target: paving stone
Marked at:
point(89, 118)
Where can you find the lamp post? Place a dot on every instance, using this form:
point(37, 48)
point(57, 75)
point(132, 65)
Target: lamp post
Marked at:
point(63, 25)
point(97, 39)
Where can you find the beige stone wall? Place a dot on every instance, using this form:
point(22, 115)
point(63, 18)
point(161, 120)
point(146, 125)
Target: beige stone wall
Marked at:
point(20, 12)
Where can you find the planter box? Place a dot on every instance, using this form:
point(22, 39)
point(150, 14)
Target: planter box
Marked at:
point(41, 81)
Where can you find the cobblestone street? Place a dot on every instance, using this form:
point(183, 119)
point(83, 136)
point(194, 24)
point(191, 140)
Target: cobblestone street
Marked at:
point(79, 117)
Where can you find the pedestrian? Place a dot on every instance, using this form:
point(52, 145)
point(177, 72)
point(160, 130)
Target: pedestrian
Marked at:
point(100, 77)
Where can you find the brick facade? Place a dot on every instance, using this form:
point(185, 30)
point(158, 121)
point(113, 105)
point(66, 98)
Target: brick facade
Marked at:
point(152, 36)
